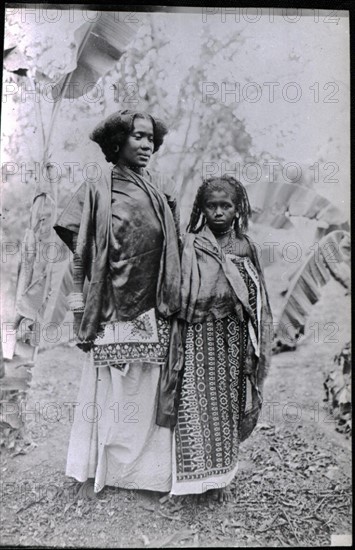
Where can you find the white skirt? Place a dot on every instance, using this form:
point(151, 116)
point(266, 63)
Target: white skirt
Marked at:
point(114, 438)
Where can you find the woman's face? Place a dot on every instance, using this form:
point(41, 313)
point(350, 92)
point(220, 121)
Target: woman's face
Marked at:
point(139, 147)
point(219, 210)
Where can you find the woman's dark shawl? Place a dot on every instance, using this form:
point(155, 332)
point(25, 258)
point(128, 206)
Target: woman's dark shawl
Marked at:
point(202, 264)
point(89, 215)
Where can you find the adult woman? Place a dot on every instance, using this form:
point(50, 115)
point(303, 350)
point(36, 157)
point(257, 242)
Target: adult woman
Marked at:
point(227, 346)
point(127, 290)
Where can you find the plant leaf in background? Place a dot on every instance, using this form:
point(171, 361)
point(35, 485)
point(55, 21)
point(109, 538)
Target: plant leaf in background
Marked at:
point(274, 203)
point(337, 387)
point(99, 46)
point(32, 276)
point(331, 259)
point(55, 308)
point(14, 61)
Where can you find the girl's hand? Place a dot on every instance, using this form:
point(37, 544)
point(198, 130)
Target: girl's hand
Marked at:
point(250, 360)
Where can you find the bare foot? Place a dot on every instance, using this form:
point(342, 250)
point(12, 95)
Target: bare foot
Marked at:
point(217, 495)
point(222, 495)
point(86, 490)
point(201, 498)
point(225, 495)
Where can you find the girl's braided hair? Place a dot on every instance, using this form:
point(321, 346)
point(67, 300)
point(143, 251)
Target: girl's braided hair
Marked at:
point(238, 195)
point(115, 129)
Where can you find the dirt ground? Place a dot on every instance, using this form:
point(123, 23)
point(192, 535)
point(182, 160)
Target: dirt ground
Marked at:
point(293, 486)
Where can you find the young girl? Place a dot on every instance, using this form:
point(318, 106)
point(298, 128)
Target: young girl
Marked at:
point(227, 320)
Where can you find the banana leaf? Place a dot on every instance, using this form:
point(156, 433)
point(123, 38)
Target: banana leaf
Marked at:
point(14, 61)
point(99, 45)
point(274, 204)
point(330, 260)
point(55, 308)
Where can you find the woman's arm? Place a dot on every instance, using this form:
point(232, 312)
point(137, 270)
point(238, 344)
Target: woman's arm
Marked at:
point(78, 268)
point(167, 185)
point(175, 210)
point(172, 195)
point(76, 298)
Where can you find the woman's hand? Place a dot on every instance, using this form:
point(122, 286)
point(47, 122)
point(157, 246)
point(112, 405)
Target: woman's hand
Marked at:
point(78, 316)
point(85, 346)
point(77, 306)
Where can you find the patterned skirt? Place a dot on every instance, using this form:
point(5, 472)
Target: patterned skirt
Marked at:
point(142, 340)
point(213, 395)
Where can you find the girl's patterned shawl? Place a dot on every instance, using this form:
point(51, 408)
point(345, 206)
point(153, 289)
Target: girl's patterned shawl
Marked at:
point(203, 263)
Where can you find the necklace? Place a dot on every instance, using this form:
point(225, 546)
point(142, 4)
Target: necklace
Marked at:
point(224, 242)
point(223, 232)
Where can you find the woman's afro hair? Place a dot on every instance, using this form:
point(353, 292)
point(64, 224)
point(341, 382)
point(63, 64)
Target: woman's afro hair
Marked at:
point(115, 129)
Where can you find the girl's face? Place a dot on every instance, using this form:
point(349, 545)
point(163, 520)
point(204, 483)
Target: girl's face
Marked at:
point(219, 210)
point(139, 147)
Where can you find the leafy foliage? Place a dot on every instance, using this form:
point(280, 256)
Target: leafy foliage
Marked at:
point(337, 387)
point(329, 259)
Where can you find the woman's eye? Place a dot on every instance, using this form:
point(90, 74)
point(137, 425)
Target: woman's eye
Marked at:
point(141, 136)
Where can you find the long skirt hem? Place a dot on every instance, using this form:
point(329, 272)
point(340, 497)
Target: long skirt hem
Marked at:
point(114, 437)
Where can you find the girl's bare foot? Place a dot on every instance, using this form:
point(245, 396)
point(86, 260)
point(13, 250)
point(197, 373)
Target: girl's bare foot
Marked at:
point(222, 495)
point(225, 495)
point(218, 495)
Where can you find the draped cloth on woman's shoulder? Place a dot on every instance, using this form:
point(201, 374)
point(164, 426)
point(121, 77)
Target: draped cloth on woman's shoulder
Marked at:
point(203, 264)
point(89, 216)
